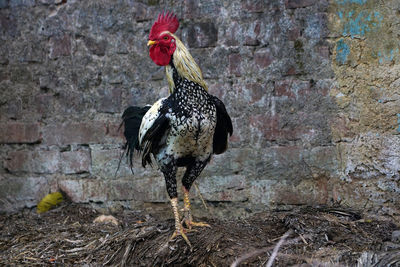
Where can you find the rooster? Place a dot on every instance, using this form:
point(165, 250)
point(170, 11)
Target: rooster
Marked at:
point(183, 129)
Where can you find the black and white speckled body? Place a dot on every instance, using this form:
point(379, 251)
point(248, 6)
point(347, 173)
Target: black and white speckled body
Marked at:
point(188, 139)
point(192, 118)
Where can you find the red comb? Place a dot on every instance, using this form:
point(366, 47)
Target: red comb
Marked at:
point(165, 22)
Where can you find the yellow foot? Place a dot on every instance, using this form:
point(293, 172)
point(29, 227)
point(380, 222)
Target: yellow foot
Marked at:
point(191, 224)
point(181, 233)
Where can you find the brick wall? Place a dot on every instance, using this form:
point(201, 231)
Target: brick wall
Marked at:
point(288, 72)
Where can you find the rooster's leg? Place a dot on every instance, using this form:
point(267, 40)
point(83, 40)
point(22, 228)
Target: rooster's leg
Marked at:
point(192, 172)
point(169, 171)
point(187, 214)
point(178, 226)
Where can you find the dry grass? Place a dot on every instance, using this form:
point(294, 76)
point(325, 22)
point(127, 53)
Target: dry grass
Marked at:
point(306, 237)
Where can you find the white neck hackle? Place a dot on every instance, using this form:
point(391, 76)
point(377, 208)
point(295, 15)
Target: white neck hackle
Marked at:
point(185, 65)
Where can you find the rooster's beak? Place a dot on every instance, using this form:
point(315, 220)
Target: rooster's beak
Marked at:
point(151, 42)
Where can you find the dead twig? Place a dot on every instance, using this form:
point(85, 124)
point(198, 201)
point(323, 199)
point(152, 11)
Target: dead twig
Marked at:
point(201, 196)
point(276, 248)
point(264, 250)
point(128, 250)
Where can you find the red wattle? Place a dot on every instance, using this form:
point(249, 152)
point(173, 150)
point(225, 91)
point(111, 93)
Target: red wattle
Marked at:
point(160, 55)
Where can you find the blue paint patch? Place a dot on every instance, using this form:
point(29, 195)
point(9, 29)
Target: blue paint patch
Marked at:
point(358, 25)
point(342, 51)
point(387, 57)
point(345, 2)
point(398, 122)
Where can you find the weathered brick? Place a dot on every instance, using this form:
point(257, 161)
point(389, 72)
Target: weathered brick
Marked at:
point(9, 25)
point(191, 8)
point(274, 127)
point(22, 192)
point(201, 9)
point(294, 33)
point(13, 110)
point(283, 88)
point(323, 160)
point(256, 6)
point(149, 189)
point(74, 133)
point(84, 191)
point(324, 51)
point(110, 100)
point(257, 91)
point(48, 2)
point(17, 3)
point(292, 88)
point(97, 47)
point(32, 53)
point(105, 162)
point(235, 62)
point(115, 132)
point(263, 58)
point(19, 132)
point(341, 129)
point(47, 82)
point(44, 104)
point(60, 46)
point(232, 35)
point(75, 161)
point(307, 192)
point(3, 3)
point(202, 34)
point(224, 188)
point(252, 33)
point(33, 161)
point(75, 103)
point(217, 89)
point(299, 3)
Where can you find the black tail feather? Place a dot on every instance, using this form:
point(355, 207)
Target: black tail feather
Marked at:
point(223, 127)
point(131, 120)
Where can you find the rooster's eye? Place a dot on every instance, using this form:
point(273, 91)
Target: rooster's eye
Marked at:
point(165, 37)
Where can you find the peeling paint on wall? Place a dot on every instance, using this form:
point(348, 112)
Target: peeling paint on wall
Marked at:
point(358, 23)
point(367, 72)
point(344, 2)
point(386, 57)
point(342, 51)
point(398, 122)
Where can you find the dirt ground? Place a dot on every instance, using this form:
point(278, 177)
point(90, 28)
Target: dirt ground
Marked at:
point(320, 236)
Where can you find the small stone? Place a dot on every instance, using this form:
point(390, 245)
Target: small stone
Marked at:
point(106, 219)
point(396, 236)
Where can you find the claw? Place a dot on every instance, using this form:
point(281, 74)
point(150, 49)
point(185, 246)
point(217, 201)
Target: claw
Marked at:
point(190, 224)
point(200, 224)
point(181, 233)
